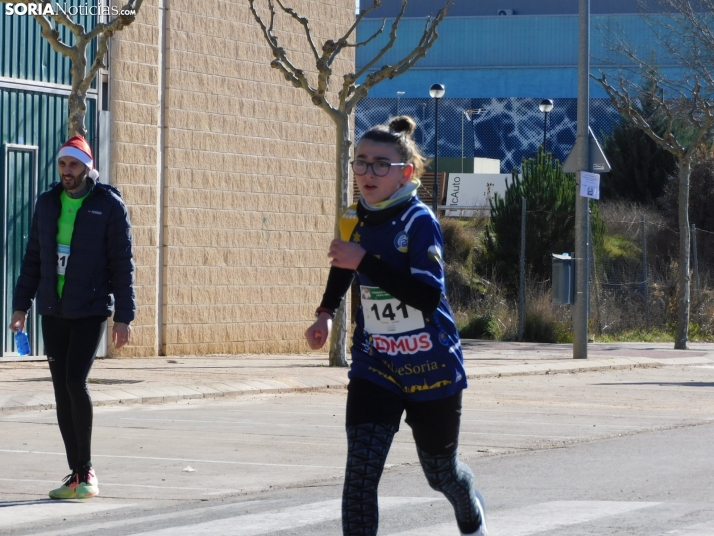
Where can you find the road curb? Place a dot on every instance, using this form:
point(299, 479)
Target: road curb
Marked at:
point(151, 394)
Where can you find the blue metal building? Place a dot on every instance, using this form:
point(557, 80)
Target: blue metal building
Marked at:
point(499, 66)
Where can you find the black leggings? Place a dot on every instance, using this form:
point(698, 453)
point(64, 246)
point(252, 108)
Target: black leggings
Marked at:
point(373, 416)
point(71, 346)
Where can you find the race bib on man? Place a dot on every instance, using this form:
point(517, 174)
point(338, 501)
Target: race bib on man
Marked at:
point(62, 258)
point(385, 314)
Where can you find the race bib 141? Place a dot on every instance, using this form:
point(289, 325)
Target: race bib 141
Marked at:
point(385, 314)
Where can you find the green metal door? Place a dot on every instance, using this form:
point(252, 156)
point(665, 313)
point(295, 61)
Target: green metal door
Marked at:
point(20, 192)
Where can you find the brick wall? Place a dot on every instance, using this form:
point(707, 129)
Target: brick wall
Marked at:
point(248, 178)
point(134, 108)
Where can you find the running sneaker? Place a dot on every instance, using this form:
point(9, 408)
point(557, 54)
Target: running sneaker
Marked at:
point(88, 483)
point(68, 489)
point(482, 531)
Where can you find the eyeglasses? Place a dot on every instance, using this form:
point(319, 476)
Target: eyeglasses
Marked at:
point(379, 168)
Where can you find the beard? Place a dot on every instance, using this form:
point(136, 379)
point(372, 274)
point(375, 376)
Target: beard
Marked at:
point(71, 182)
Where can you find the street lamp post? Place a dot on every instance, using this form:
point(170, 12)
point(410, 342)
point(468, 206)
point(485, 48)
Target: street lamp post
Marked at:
point(399, 95)
point(436, 91)
point(467, 114)
point(546, 106)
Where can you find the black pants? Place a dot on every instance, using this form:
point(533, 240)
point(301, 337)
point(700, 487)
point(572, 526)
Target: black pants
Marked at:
point(71, 347)
point(373, 416)
point(435, 424)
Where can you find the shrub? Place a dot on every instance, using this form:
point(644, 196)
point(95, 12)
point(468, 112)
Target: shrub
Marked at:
point(550, 227)
point(461, 240)
point(459, 243)
point(483, 326)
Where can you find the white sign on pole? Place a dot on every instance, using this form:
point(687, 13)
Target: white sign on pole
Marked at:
point(589, 185)
point(472, 191)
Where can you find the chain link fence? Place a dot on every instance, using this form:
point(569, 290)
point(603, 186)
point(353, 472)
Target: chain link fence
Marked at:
point(507, 129)
point(633, 281)
point(634, 278)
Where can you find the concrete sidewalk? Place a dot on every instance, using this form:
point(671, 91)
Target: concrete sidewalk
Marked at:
point(25, 385)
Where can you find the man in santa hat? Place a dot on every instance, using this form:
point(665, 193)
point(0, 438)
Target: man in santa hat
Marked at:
point(79, 266)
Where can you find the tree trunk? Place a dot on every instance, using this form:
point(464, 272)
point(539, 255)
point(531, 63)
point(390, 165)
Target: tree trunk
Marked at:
point(77, 113)
point(77, 99)
point(338, 339)
point(683, 277)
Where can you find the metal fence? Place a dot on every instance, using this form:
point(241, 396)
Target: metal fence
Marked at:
point(507, 129)
point(634, 277)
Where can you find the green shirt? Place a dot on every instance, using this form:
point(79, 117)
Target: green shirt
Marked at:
point(65, 228)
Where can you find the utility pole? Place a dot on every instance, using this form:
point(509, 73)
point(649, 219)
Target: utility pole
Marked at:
point(582, 214)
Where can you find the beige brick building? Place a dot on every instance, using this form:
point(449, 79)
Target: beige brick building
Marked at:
point(228, 172)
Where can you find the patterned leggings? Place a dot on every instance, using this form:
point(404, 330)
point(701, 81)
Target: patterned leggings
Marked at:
point(373, 416)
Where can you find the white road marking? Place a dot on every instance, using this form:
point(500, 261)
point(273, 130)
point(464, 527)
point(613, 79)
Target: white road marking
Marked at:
point(548, 436)
point(16, 514)
point(549, 412)
point(94, 528)
point(334, 413)
point(288, 518)
point(544, 517)
point(543, 423)
point(227, 421)
point(307, 425)
point(699, 529)
point(109, 484)
point(538, 518)
point(530, 520)
point(176, 459)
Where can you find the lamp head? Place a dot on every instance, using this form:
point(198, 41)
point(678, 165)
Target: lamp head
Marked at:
point(546, 105)
point(437, 91)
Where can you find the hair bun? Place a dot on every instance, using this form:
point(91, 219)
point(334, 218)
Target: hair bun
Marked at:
point(402, 125)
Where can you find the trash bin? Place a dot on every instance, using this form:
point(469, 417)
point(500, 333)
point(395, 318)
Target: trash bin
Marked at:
point(563, 279)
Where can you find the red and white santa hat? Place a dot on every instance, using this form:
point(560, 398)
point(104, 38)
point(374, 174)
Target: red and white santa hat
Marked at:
point(77, 147)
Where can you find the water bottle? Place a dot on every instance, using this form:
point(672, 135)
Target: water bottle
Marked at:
point(22, 343)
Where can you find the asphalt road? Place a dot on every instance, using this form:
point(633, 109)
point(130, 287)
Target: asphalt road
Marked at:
point(618, 452)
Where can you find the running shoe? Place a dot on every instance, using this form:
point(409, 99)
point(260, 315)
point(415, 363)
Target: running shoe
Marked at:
point(482, 530)
point(68, 489)
point(88, 483)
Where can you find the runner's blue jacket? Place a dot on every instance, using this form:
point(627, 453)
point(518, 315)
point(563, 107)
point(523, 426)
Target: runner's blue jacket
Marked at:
point(99, 277)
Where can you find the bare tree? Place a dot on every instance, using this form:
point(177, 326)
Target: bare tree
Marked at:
point(50, 17)
point(685, 39)
point(350, 93)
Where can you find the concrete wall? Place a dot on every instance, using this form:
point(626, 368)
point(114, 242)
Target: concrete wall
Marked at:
point(248, 177)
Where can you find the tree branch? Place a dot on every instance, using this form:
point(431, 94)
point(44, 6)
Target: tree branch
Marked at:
point(52, 36)
point(59, 17)
point(98, 62)
point(118, 23)
point(622, 100)
point(366, 41)
point(281, 62)
point(429, 36)
point(305, 24)
point(342, 41)
point(390, 43)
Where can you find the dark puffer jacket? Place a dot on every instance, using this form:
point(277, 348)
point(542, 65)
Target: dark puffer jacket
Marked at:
point(100, 268)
